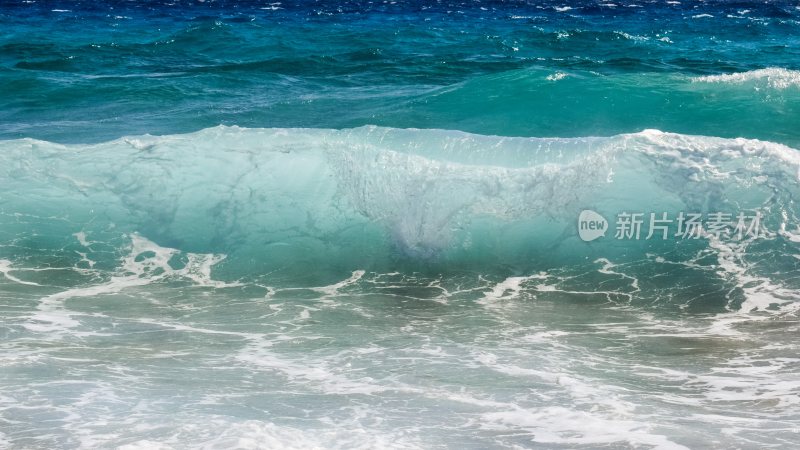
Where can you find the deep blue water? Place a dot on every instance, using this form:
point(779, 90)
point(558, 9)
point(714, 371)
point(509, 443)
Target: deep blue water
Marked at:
point(91, 71)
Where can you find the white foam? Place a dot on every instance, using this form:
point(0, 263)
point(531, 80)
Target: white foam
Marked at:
point(509, 288)
point(491, 361)
point(607, 270)
point(145, 263)
point(564, 426)
point(260, 435)
point(6, 269)
point(631, 37)
point(762, 295)
point(81, 237)
point(774, 77)
point(315, 374)
point(333, 289)
point(556, 76)
point(220, 433)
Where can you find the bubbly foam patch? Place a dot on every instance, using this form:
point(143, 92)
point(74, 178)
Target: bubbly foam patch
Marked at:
point(773, 77)
point(145, 263)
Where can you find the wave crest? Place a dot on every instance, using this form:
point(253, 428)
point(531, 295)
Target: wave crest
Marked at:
point(773, 77)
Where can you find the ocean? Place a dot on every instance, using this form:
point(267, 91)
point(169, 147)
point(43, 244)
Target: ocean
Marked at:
point(399, 224)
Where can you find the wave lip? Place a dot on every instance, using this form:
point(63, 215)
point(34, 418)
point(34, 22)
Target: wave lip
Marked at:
point(773, 77)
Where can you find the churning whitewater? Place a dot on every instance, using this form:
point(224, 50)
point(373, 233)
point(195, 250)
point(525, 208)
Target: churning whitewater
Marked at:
point(440, 259)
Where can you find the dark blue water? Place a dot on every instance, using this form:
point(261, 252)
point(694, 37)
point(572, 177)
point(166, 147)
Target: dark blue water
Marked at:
point(91, 71)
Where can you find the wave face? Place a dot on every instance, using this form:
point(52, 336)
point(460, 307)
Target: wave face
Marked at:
point(379, 198)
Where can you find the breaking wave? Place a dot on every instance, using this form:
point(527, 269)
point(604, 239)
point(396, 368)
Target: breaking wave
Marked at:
point(773, 77)
point(377, 198)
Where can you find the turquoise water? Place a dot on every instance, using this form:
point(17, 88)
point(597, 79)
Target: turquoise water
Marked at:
point(356, 225)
